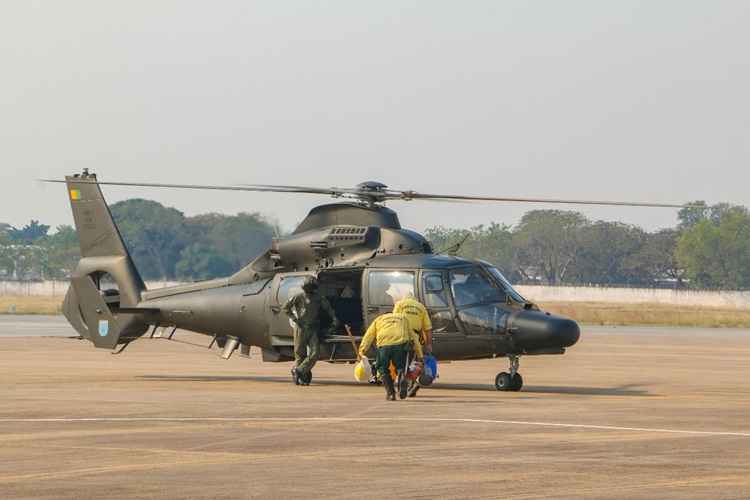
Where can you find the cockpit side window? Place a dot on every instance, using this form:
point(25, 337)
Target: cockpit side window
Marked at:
point(435, 292)
point(471, 286)
point(437, 302)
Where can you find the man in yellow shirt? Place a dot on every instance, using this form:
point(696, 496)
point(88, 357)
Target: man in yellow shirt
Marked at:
point(419, 323)
point(393, 338)
point(419, 319)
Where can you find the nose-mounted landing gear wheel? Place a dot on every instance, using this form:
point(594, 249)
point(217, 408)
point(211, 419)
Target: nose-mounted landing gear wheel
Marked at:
point(305, 378)
point(510, 381)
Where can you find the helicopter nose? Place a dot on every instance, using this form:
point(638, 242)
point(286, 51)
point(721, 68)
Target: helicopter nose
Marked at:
point(533, 330)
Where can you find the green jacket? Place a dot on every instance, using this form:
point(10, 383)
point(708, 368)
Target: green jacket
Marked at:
point(305, 310)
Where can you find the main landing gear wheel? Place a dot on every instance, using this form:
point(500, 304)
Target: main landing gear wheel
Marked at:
point(516, 382)
point(510, 381)
point(502, 381)
point(305, 378)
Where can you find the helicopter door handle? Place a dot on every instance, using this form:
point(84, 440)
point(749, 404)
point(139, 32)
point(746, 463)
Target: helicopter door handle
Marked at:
point(276, 309)
point(373, 309)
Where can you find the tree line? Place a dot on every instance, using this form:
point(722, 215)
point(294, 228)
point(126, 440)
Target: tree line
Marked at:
point(709, 248)
point(164, 243)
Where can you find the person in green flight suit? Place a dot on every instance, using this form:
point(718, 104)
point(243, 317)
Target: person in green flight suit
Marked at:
point(304, 310)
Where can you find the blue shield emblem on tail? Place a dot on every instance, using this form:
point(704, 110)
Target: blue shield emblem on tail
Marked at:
point(103, 327)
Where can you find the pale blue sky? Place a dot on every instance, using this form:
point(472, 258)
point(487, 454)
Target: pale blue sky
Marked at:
point(577, 99)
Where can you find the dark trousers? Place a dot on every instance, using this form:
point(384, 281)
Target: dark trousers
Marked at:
point(306, 348)
point(391, 353)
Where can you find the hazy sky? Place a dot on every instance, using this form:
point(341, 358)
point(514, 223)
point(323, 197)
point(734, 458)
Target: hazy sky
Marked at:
point(579, 99)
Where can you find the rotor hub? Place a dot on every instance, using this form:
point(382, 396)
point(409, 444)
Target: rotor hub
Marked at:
point(371, 192)
point(372, 186)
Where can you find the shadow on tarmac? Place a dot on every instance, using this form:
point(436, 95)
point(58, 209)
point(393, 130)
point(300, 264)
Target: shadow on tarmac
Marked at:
point(624, 390)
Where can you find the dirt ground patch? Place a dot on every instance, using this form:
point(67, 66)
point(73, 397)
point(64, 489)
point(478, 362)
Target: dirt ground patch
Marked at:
point(15, 304)
point(593, 313)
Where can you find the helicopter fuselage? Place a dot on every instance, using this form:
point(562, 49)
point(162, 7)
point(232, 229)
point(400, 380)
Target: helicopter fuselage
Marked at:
point(475, 312)
point(364, 262)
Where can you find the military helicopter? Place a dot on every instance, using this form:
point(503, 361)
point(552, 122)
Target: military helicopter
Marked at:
point(362, 258)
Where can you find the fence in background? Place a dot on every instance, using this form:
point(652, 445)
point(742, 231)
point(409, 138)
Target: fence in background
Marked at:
point(704, 298)
point(536, 293)
point(53, 288)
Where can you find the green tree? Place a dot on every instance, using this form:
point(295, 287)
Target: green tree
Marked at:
point(715, 251)
point(200, 261)
point(6, 257)
point(154, 235)
point(692, 215)
point(547, 242)
point(64, 252)
point(656, 259)
point(446, 240)
point(605, 254)
point(492, 243)
point(238, 239)
point(23, 262)
point(29, 234)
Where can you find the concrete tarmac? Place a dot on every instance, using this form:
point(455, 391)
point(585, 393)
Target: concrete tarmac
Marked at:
point(12, 325)
point(627, 413)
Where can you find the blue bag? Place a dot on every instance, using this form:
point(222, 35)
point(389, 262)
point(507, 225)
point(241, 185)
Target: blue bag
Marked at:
point(430, 372)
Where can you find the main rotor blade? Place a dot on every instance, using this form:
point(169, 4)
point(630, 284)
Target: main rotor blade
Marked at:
point(384, 195)
point(250, 187)
point(333, 191)
point(411, 195)
point(263, 188)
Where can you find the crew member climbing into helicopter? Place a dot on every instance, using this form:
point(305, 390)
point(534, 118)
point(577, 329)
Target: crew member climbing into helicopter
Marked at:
point(420, 324)
point(304, 310)
point(393, 338)
point(419, 319)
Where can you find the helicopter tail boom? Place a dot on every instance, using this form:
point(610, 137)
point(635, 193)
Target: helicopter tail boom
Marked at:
point(106, 283)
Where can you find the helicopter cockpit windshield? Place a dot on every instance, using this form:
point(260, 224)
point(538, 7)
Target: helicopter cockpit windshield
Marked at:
point(512, 293)
point(481, 296)
point(471, 286)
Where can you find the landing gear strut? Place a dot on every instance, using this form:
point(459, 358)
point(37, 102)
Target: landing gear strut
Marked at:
point(510, 381)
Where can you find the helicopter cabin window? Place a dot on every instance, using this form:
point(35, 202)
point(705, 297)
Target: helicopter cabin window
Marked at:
point(471, 286)
point(289, 287)
point(388, 287)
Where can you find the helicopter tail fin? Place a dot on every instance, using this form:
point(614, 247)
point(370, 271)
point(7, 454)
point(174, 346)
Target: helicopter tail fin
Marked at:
point(106, 286)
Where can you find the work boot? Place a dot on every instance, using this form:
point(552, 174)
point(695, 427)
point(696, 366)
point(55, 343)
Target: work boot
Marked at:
point(413, 389)
point(390, 391)
point(403, 385)
point(295, 376)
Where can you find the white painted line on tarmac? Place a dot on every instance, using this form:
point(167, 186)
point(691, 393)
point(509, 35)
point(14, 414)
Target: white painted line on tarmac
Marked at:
point(370, 419)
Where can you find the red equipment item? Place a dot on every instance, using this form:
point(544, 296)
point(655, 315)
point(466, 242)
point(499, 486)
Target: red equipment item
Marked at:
point(414, 371)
